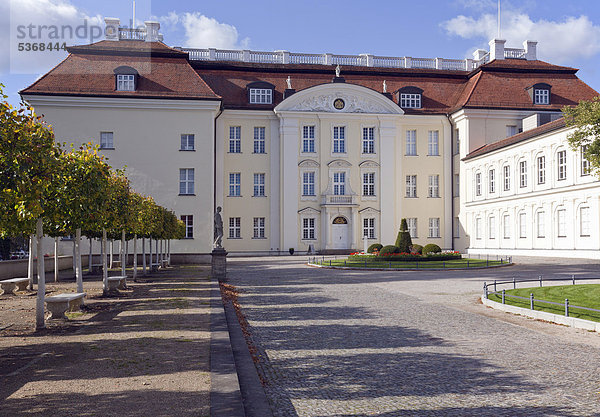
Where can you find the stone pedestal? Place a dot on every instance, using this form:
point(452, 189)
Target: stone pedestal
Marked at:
point(219, 264)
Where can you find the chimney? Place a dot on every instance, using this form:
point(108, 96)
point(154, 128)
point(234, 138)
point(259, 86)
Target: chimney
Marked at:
point(497, 49)
point(152, 28)
point(530, 50)
point(479, 54)
point(111, 31)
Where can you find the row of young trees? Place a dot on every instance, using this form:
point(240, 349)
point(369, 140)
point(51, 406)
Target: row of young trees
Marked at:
point(46, 187)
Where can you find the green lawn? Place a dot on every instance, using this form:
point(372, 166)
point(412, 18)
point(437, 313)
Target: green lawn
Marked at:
point(454, 263)
point(584, 295)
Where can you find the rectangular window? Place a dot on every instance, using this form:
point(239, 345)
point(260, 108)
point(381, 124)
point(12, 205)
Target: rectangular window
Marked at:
point(368, 184)
point(434, 186)
point(235, 139)
point(506, 221)
point(261, 96)
point(411, 222)
point(411, 186)
point(478, 184)
point(434, 227)
point(308, 139)
point(186, 181)
point(187, 142)
point(125, 82)
point(308, 228)
point(585, 163)
point(522, 225)
point(411, 142)
point(339, 183)
point(259, 185)
point(433, 144)
point(456, 185)
point(368, 141)
point(584, 219)
point(492, 227)
point(523, 174)
point(369, 228)
point(410, 101)
point(259, 228)
point(541, 96)
point(456, 227)
point(506, 170)
point(235, 184)
point(235, 228)
point(478, 230)
point(511, 130)
point(189, 226)
point(541, 224)
point(561, 223)
point(492, 180)
point(259, 140)
point(106, 140)
point(561, 158)
point(308, 183)
point(541, 168)
point(456, 142)
point(339, 139)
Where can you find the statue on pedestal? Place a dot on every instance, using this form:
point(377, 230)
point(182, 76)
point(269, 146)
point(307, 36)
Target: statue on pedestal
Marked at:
point(337, 71)
point(289, 82)
point(218, 229)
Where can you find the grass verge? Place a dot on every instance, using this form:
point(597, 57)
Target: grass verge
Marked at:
point(454, 263)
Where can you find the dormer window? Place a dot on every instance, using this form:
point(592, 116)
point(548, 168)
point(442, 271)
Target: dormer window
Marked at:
point(540, 93)
point(260, 92)
point(126, 78)
point(410, 97)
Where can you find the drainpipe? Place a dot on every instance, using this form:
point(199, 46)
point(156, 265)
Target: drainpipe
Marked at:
point(452, 134)
point(215, 159)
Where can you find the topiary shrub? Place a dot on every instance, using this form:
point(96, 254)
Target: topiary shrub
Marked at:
point(388, 250)
point(375, 247)
point(431, 248)
point(403, 241)
point(416, 249)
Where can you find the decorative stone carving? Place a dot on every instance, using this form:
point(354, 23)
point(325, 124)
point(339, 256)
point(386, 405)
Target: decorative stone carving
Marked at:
point(339, 163)
point(353, 104)
point(308, 163)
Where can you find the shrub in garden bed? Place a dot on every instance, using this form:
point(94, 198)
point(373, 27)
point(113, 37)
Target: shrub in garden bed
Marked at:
point(405, 257)
point(375, 247)
point(388, 249)
point(416, 249)
point(431, 248)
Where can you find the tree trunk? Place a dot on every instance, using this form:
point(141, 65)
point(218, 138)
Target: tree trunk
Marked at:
point(90, 258)
point(110, 256)
point(78, 269)
point(123, 262)
point(150, 254)
point(126, 252)
point(30, 263)
point(41, 292)
point(104, 264)
point(161, 253)
point(169, 252)
point(56, 259)
point(156, 247)
point(102, 253)
point(74, 256)
point(134, 257)
point(144, 256)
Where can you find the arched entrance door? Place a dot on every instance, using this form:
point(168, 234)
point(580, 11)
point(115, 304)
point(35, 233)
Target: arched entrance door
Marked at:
point(339, 233)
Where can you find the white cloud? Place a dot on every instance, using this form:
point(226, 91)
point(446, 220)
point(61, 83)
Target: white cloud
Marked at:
point(558, 41)
point(205, 32)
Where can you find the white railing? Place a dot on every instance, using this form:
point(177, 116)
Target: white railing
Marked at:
point(364, 60)
point(132, 34)
point(339, 199)
point(514, 53)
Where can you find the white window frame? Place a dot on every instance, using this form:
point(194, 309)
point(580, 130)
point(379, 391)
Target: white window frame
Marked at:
point(338, 144)
point(259, 185)
point(188, 221)
point(541, 224)
point(188, 142)
point(561, 165)
point(456, 142)
point(433, 143)
point(585, 163)
point(261, 96)
point(478, 228)
point(492, 227)
point(506, 226)
point(107, 140)
point(308, 183)
point(309, 228)
point(235, 184)
point(259, 139)
point(411, 186)
point(410, 101)
point(186, 181)
point(259, 228)
point(456, 228)
point(125, 82)
point(541, 169)
point(523, 174)
point(561, 223)
point(541, 96)
point(492, 181)
point(235, 228)
point(412, 223)
point(368, 140)
point(369, 227)
point(368, 184)
point(338, 179)
point(506, 174)
point(235, 139)
point(434, 227)
point(584, 221)
point(434, 186)
point(522, 225)
point(308, 139)
point(478, 184)
point(411, 142)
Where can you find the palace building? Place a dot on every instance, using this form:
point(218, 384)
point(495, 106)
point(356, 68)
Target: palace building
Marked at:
point(320, 152)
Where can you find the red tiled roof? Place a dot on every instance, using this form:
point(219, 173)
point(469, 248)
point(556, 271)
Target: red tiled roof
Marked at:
point(163, 73)
point(520, 137)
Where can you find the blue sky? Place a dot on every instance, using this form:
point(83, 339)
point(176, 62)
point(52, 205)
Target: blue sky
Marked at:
point(568, 32)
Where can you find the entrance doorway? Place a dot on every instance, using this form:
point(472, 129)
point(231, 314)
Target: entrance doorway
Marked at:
point(339, 233)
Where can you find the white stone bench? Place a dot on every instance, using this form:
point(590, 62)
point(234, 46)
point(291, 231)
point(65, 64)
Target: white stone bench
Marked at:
point(58, 304)
point(117, 283)
point(8, 285)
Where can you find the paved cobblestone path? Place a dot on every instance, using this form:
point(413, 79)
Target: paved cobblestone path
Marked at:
point(355, 343)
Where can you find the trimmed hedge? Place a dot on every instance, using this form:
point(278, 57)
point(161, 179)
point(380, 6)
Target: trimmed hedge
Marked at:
point(388, 250)
point(431, 248)
point(405, 257)
point(416, 249)
point(373, 247)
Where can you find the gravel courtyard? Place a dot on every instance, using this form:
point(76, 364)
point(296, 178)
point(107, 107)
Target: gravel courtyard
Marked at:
point(356, 343)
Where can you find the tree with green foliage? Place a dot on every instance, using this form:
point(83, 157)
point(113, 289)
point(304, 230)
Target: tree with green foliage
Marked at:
point(585, 118)
point(403, 241)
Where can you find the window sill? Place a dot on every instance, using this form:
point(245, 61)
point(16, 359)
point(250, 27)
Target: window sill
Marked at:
point(437, 196)
point(188, 238)
point(260, 196)
point(192, 195)
point(309, 240)
point(413, 196)
point(259, 153)
point(234, 238)
point(411, 154)
point(369, 198)
point(308, 153)
point(234, 196)
point(259, 238)
point(187, 150)
point(438, 237)
point(110, 149)
point(584, 235)
point(437, 154)
point(235, 153)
